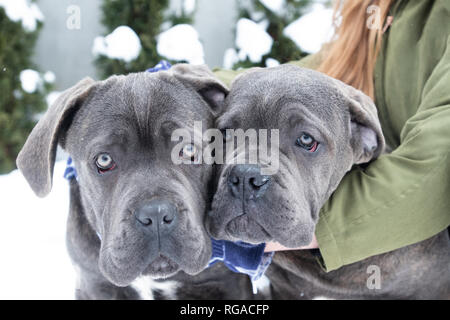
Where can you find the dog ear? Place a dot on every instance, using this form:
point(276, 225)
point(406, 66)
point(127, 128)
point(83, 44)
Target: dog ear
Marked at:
point(37, 157)
point(367, 137)
point(244, 73)
point(204, 82)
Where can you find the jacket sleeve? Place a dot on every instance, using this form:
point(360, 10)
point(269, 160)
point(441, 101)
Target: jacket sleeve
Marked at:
point(401, 198)
point(227, 76)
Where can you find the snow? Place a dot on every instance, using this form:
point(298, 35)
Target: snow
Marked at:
point(36, 12)
point(22, 10)
point(230, 58)
point(256, 15)
point(181, 43)
point(189, 6)
point(34, 262)
point(123, 44)
point(264, 24)
point(49, 77)
point(51, 97)
point(311, 30)
point(271, 62)
point(252, 40)
point(276, 6)
point(30, 80)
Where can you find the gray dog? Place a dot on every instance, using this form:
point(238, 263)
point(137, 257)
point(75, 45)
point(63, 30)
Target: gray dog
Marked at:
point(134, 214)
point(325, 127)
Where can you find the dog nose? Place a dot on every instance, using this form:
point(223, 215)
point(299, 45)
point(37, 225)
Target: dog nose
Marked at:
point(246, 180)
point(157, 214)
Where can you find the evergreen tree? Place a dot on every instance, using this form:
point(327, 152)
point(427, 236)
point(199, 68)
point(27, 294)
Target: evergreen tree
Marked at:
point(18, 108)
point(283, 48)
point(145, 17)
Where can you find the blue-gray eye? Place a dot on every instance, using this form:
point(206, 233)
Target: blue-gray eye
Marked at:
point(307, 142)
point(104, 162)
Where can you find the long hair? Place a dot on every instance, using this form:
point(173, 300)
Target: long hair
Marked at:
point(351, 55)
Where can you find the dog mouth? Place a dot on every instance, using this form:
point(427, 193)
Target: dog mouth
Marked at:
point(247, 229)
point(161, 267)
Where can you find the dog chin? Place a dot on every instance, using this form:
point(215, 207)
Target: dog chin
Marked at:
point(161, 268)
point(243, 228)
point(296, 240)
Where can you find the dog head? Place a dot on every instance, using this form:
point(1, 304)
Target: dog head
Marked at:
point(324, 128)
point(147, 211)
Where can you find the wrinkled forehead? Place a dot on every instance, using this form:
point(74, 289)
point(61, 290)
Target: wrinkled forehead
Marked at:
point(143, 102)
point(274, 97)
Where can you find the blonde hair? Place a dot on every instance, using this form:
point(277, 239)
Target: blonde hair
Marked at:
point(351, 56)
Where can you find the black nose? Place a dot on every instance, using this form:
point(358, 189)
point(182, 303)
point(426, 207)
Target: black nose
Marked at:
point(158, 215)
point(246, 180)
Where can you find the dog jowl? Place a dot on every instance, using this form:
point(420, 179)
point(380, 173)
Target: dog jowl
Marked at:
point(324, 126)
point(144, 213)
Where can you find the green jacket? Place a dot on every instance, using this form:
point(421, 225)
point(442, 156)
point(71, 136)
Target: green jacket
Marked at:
point(402, 197)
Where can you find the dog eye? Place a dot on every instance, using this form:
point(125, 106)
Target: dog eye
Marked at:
point(105, 162)
point(307, 142)
point(189, 152)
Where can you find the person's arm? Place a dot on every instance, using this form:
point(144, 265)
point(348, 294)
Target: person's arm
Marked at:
point(227, 76)
point(401, 198)
point(275, 246)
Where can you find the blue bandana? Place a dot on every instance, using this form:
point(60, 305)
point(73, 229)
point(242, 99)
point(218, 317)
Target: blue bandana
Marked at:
point(242, 257)
point(70, 172)
point(238, 256)
point(161, 66)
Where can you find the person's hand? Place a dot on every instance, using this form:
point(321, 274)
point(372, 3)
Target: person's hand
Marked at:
point(275, 246)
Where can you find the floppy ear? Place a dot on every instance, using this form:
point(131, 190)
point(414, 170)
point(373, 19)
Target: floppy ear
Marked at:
point(367, 137)
point(204, 82)
point(37, 157)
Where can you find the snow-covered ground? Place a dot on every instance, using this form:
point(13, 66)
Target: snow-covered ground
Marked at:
point(33, 258)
